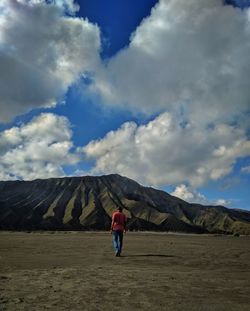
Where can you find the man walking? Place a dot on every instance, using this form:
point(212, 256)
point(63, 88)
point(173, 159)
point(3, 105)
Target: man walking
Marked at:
point(118, 226)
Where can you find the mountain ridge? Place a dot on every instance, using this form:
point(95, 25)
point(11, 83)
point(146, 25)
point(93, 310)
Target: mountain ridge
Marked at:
point(87, 203)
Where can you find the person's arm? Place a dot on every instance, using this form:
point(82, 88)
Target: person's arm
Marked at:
point(112, 224)
point(125, 224)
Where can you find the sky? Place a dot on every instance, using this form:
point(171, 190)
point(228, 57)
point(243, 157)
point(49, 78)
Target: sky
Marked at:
point(157, 91)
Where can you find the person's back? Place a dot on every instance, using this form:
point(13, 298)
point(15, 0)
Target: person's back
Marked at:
point(119, 221)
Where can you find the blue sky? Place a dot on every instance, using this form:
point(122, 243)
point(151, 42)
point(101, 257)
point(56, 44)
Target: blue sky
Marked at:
point(154, 90)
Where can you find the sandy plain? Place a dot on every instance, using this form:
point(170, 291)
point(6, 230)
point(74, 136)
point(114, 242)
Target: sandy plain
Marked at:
point(158, 271)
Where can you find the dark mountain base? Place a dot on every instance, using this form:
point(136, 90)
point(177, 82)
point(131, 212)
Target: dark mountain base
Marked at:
point(87, 203)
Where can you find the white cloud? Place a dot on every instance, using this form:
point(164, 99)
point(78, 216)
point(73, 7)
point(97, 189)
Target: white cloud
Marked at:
point(69, 5)
point(191, 195)
point(189, 55)
point(164, 151)
point(187, 58)
point(42, 52)
point(38, 149)
point(222, 202)
point(246, 169)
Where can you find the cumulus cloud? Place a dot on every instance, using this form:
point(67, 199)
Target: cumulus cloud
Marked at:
point(38, 149)
point(191, 195)
point(222, 202)
point(246, 169)
point(187, 58)
point(187, 55)
point(166, 151)
point(42, 52)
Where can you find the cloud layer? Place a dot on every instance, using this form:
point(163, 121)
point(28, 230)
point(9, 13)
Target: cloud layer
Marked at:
point(166, 151)
point(42, 52)
point(189, 56)
point(38, 149)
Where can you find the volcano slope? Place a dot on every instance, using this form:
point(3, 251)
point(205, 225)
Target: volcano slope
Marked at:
point(87, 203)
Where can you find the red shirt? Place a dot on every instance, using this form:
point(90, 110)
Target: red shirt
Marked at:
point(118, 221)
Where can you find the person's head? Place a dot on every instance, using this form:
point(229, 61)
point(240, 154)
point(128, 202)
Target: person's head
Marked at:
point(119, 208)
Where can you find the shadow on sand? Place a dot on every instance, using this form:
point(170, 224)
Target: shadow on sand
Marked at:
point(149, 255)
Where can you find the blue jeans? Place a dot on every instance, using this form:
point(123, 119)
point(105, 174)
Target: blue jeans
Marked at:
point(117, 241)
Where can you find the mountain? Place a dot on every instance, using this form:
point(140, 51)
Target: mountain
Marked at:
point(87, 203)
